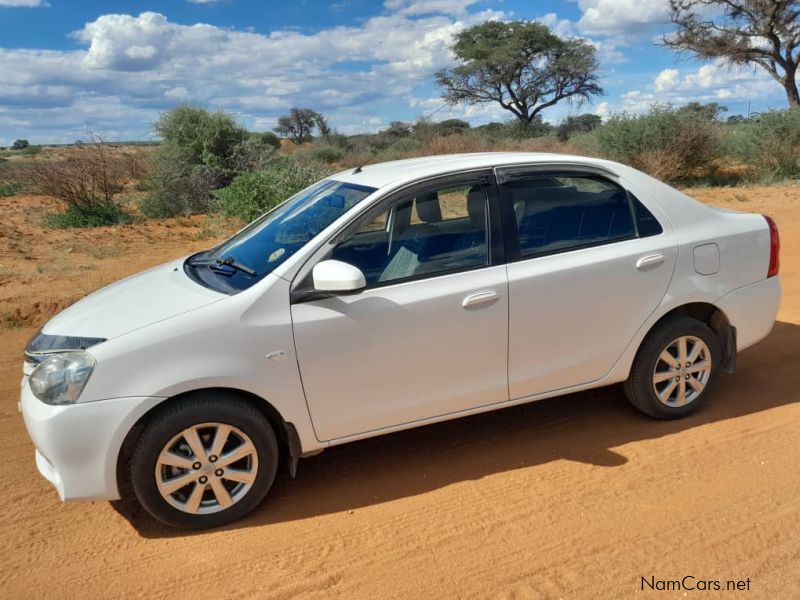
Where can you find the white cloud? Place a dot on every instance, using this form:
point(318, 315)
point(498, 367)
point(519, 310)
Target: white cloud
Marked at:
point(23, 3)
point(610, 17)
point(607, 50)
point(561, 27)
point(714, 82)
point(666, 80)
point(146, 63)
point(602, 110)
point(415, 8)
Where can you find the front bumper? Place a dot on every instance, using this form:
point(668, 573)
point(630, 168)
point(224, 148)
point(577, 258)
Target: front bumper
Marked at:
point(77, 445)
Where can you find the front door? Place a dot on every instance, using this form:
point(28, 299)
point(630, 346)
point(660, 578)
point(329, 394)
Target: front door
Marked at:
point(429, 334)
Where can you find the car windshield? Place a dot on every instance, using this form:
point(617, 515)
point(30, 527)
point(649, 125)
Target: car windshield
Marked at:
point(259, 248)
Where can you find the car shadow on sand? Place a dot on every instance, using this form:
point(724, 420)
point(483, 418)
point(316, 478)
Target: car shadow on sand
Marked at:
point(583, 427)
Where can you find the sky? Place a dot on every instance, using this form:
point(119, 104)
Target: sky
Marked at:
point(67, 67)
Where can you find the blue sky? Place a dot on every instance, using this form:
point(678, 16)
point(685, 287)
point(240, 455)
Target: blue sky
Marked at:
point(66, 66)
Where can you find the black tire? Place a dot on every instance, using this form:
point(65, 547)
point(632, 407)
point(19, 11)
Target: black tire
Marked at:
point(177, 416)
point(639, 386)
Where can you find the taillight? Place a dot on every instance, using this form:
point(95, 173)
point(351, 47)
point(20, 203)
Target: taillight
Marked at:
point(774, 248)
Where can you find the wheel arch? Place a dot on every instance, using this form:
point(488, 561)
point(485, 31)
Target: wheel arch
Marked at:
point(288, 438)
point(717, 321)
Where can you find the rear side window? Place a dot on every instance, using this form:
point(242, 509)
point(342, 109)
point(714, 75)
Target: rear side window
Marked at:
point(569, 213)
point(646, 223)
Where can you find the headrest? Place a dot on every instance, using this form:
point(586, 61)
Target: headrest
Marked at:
point(428, 207)
point(476, 205)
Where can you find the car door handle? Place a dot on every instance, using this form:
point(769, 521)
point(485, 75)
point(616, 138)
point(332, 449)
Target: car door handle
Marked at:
point(482, 297)
point(650, 260)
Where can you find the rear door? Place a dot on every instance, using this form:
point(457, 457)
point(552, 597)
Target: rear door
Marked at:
point(429, 334)
point(588, 263)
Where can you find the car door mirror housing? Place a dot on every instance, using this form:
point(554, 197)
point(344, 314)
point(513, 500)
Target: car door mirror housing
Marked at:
point(337, 276)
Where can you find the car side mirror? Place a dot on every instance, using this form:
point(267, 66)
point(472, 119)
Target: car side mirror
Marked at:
point(337, 276)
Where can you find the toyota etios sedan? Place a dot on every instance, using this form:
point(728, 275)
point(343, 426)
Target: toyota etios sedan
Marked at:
point(388, 297)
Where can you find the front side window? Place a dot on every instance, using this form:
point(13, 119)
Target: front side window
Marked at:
point(433, 232)
point(259, 248)
point(566, 213)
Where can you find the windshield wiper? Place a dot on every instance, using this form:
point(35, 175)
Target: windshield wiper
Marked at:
point(228, 261)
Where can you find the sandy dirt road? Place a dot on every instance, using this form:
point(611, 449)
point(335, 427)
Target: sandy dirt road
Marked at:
point(575, 497)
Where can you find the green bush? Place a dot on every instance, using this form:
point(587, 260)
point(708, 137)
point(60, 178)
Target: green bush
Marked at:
point(769, 145)
point(181, 188)
point(96, 216)
point(402, 148)
point(666, 142)
point(201, 151)
point(326, 153)
point(577, 124)
point(10, 189)
point(251, 194)
point(266, 138)
point(205, 137)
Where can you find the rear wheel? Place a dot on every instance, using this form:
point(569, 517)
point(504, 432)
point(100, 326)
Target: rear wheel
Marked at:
point(204, 461)
point(675, 369)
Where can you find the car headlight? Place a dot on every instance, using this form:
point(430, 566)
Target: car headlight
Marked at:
point(60, 378)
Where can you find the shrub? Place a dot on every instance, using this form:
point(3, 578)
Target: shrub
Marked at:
point(251, 155)
point(454, 144)
point(88, 179)
point(201, 151)
point(266, 138)
point(11, 188)
point(251, 194)
point(326, 153)
point(580, 124)
point(769, 145)
point(181, 188)
point(398, 129)
point(402, 148)
point(667, 143)
point(77, 216)
point(205, 137)
point(534, 129)
point(19, 144)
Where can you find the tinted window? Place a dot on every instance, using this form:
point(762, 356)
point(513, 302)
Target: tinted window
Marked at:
point(646, 223)
point(569, 212)
point(271, 239)
point(439, 231)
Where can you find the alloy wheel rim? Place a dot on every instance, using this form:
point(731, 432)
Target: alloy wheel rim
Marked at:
point(206, 468)
point(682, 371)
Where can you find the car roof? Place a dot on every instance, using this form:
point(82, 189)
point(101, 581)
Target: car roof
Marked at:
point(399, 172)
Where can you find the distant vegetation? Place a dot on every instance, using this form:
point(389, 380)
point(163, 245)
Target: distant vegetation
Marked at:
point(209, 163)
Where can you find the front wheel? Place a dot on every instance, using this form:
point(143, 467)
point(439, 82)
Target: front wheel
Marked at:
point(204, 461)
point(675, 369)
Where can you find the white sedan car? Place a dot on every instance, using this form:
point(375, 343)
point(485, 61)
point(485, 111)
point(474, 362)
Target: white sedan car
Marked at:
point(388, 297)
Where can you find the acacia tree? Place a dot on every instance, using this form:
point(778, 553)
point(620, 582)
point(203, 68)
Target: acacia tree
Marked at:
point(322, 125)
point(742, 32)
point(299, 124)
point(522, 66)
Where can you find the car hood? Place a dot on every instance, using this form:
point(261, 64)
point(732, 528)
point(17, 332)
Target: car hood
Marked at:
point(131, 303)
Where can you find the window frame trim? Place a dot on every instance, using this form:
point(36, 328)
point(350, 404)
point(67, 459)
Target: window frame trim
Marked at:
point(302, 288)
point(505, 175)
